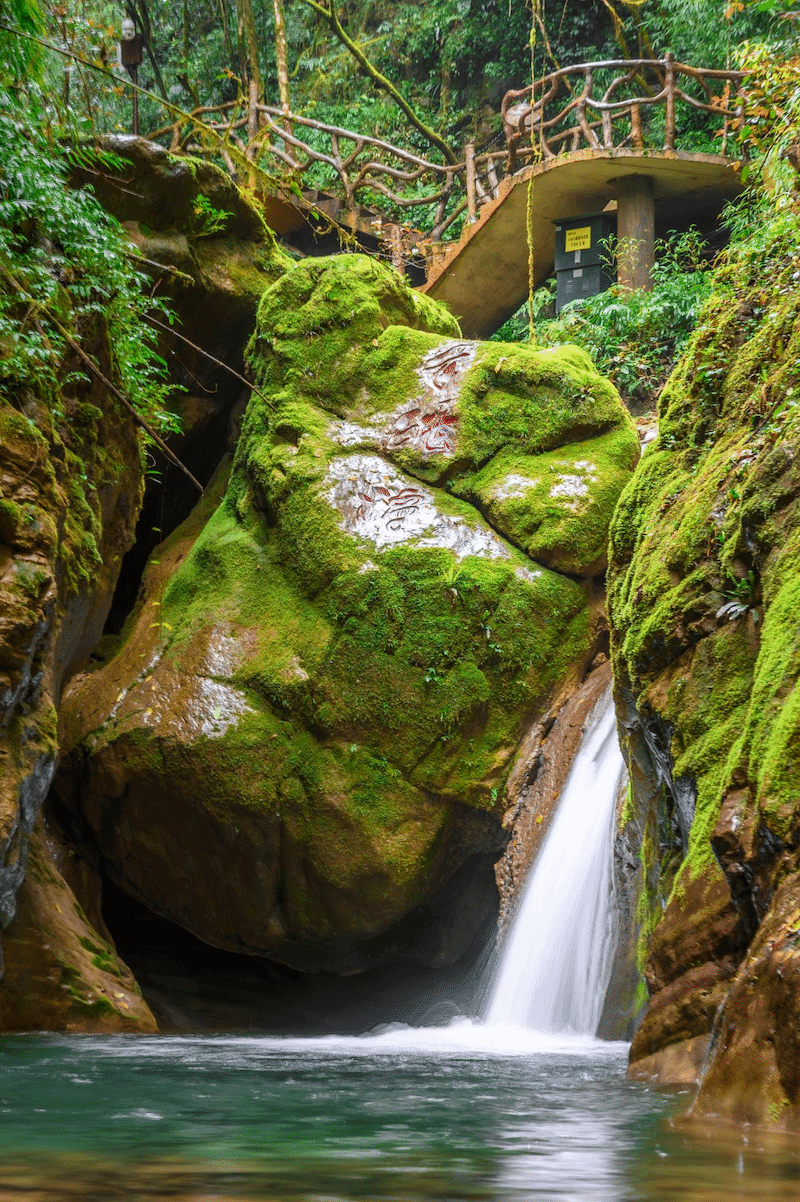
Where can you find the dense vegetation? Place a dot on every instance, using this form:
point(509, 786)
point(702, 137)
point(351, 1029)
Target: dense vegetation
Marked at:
point(64, 263)
point(451, 60)
point(637, 338)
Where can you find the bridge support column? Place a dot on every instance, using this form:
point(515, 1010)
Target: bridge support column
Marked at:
point(635, 232)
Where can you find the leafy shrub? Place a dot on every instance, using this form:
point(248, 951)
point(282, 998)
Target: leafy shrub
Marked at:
point(633, 337)
point(63, 260)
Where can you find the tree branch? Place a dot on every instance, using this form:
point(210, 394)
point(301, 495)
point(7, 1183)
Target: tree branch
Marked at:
point(153, 321)
point(380, 80)
point(112, 388)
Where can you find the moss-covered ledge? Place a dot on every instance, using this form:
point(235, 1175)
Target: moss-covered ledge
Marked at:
point(704, 602)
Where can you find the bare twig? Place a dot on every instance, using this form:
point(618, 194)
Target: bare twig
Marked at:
point(212, 358)
point(112, 388)
point(176, 271)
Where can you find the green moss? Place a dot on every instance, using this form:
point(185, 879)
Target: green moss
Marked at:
point(10, 520)
point(350, 641)
point(704, 581)
point(534, 400)
point(772, 735)
point(318, 327)
point(556, 506)
point(31, 580)
point(379, 682)
point(102, 957)
point(73, 981)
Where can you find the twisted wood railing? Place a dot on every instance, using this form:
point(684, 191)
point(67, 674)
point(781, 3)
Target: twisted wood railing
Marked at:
point(616, 103)
point(599, 106)
point(294, 151)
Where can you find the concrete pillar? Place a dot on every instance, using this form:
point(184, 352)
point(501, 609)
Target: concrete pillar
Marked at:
point(635, 232)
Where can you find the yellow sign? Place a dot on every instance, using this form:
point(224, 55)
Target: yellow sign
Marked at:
point(579, 239)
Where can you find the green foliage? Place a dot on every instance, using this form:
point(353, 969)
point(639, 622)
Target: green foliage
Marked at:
point(63, 263)
point(451, 59)
point(633, 337)
point(769, 126)
point(20, 58)
point(206, 219)
point(742, 598)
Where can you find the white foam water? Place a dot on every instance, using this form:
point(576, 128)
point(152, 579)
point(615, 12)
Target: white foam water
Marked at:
point(555, 966)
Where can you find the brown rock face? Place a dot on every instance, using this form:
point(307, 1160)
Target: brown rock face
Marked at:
point(693, 957)
point(71, 485)
point(704, 599)
point(754, 1072)
point(61, 975)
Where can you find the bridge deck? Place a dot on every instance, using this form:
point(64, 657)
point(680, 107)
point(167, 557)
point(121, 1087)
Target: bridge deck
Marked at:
point(484, 278)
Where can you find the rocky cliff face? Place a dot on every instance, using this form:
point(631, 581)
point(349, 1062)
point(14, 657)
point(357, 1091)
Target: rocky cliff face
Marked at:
point(71, 487)
point(704, 603)
point(306, 732)
point(71, 478)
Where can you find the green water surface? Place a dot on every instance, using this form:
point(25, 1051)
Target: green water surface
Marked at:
point(460, 1113)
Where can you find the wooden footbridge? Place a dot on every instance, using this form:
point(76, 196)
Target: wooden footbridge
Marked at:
point(625, 136)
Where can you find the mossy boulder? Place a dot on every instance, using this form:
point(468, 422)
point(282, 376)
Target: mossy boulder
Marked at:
point(308, 728)
point(203, 243)
point(72, 459)
point(704, 602)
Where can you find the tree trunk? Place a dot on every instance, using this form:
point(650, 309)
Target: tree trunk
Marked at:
point(282, 60)
point(248, 42)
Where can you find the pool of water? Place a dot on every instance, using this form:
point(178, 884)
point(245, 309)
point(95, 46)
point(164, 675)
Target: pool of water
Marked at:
point(457, 1113)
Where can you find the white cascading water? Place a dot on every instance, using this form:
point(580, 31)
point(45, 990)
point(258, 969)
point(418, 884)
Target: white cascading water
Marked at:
point(555, 966)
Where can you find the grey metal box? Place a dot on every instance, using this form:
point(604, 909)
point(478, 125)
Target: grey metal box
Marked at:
point(583, 258)
point(578, 282)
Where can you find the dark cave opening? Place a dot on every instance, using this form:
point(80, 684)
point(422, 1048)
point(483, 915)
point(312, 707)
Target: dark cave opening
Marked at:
point(169, 499)
point(192, 986)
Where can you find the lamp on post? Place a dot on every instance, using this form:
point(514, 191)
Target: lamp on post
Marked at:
point(130, 57)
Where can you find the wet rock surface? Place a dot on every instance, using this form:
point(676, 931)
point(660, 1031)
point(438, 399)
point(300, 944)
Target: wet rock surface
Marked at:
point(61, 974)
point(70, 481)
point(71, 487)
point(704, 597)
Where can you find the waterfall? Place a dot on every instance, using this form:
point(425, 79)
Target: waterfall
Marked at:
point(555, 965)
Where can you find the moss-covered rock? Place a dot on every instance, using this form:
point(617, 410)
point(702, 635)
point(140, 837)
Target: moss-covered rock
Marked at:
point(70, 485)
point(72, 457)
point(204, 244)
point(704, 602)
point(61, 974)
point(335, 660)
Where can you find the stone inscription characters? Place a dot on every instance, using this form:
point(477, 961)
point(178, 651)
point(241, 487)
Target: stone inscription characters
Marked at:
point(429, 425)
point(399, 504)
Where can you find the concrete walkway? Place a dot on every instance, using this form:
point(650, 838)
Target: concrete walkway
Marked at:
point(484, 278)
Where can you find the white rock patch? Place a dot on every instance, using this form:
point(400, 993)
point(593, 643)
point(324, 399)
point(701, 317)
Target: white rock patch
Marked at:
point(573, 485)
point(380, 504)
point(224, 653)
point(207, 708)
point(426, 424)
point(514, 485)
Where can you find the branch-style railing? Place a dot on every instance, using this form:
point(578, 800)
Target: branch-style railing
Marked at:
point(293, 151)
point(600, 106)
point(617, 103)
